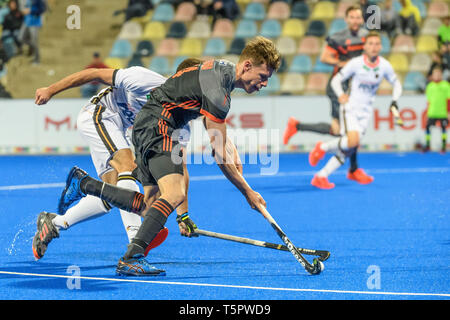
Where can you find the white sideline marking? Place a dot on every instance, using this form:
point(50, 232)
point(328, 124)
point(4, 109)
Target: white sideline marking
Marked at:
point(250, 176)
point(227, 286)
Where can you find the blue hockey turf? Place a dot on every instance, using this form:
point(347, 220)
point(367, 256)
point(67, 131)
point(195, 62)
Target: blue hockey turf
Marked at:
point(388, 240)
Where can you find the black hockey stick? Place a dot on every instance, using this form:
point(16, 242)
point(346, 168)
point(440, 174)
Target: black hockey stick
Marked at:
point(323, 255)
point(315, 268)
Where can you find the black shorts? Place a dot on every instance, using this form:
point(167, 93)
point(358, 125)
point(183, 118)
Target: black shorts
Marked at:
point(157, 154)
point(432, 122)
point(334, 99)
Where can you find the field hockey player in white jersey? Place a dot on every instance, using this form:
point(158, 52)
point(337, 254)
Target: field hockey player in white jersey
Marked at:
point(366, 73)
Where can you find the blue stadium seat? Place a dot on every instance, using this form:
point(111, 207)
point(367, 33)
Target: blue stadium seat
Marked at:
point(177, 30)
point(164, 12)
point(301, 64)
point(246, 29)
point(300, 10)
point(255, 11)
point(273, 86)
point(316, 28)
point(386, 44)
point(337, 25)
point(270, 28)
point(121, 49)
point(321, 67)
point(176, 62)
point(414, 81)
point(135, 61)
point(160, 65)
point(215, 47)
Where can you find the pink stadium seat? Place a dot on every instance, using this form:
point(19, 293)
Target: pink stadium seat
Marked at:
point(309, 45)
point(317, 83)
point(404, 43)
point(168, 47)
point(186, 11)
point(438, 9)
point(342, 6)
point(279, 10)
point(223, 28)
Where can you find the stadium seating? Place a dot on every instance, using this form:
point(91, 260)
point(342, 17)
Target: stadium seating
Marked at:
point(286, 45)
point(255, 11)
point(342, 7)
point(236, 46)
point(386, 44)
point(145, 48)
point(115, 63)
point(293, 28)
point(426, 43)
point(246, 29)
point(430, 26)
point(293, 83)
point(270, 28)
point(176, 62)
point(399, 62)
point(273, 86)
point(164, 12)
point(160, 65)
point(420, 62)
point(131, 30)
point(185, 12)
point(316, 83)
point(168, 47)
point(223, 28)
point(154, 30)
point(414, 81)
point(279, 10)
point(301, 64)
point(309, 45)
point(324, 10)
point(135, 61)
point(199, 29)
point(121, 49)
point(404, 43)
point(300, 10)
point(191, 47)
point(438, 9)
point(321, 67)
point(215, 47)
point(177, 30)
point(337, 24)
point(316, 28)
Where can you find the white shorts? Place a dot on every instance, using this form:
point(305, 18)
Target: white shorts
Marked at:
point(354, 119)
point(105, 134)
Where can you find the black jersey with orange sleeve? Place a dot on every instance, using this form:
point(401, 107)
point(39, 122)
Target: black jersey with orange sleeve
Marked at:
point(204, 89)
point(346, 44)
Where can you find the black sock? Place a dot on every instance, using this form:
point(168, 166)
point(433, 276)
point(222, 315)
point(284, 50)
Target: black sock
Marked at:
point(322, 127)
point(121, 198)
point(353, 162)
point(154, 221)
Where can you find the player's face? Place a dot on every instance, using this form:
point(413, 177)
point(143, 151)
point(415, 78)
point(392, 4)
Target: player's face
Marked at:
point(436, 75)
point(255, 77)
point(372, 47)
point(354, 20)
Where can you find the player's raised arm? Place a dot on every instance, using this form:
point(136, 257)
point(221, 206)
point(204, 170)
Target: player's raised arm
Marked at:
point(43, 95)
point(218, 136)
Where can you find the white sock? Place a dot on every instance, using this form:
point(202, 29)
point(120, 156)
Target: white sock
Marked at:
point(334, 145)
point(88, 207)
point(332, 165)
point(131, 221)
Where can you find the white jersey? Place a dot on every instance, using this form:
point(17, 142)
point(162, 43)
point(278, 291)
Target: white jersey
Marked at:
point(128, 92)
point(366, 78)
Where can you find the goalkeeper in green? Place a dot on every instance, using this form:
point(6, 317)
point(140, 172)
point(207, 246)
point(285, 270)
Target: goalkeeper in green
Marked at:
point(438, 97)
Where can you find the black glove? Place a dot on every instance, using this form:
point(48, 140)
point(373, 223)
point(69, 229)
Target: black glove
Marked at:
point(186, 225)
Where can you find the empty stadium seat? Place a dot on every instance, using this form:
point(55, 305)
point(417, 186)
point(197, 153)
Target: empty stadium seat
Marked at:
point(199, 29)
point(186, 12)
point(154, 30)
point(316, 83)
point(191, 47)
point(164, 12)
point(337, 24)
point(160, 64)
point(342, 7)
point(270, 28)
point(145, 48)
point(177, 30)
point(420, 62)
point(176, 62)
point(223, 28)
point(279, 10)
point(115, 63)
point(321, 67)
point(121, 49)
point(438, 9)
point(293, 83)
point(324, 10)
point(386, 44)
point(414, 81)
point(399, 62)
point(246, 29)
point(426, 43)
point(316, 28)
point(283, 65)
point(255, 11)
point(300, 10)
point(309, 45)
point(236, 46)
point(215, 47)
point(273, 85)
point(135, 61)
point(130, 30)
point(293, 28)
point(431, 26)
point(404, 43)
point(301, 64)
point(168, 47)
point(286, 45)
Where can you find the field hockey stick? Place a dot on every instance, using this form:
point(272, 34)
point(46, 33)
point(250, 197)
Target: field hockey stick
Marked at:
point(396, 114)
point(323, 255)
point(315, 268)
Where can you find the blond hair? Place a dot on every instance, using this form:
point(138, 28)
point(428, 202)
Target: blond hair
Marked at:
point(261, 50)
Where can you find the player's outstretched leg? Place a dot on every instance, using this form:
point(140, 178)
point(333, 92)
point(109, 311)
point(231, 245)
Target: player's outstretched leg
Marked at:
point(46, 232)
point(72, 192)
point(290, 130)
